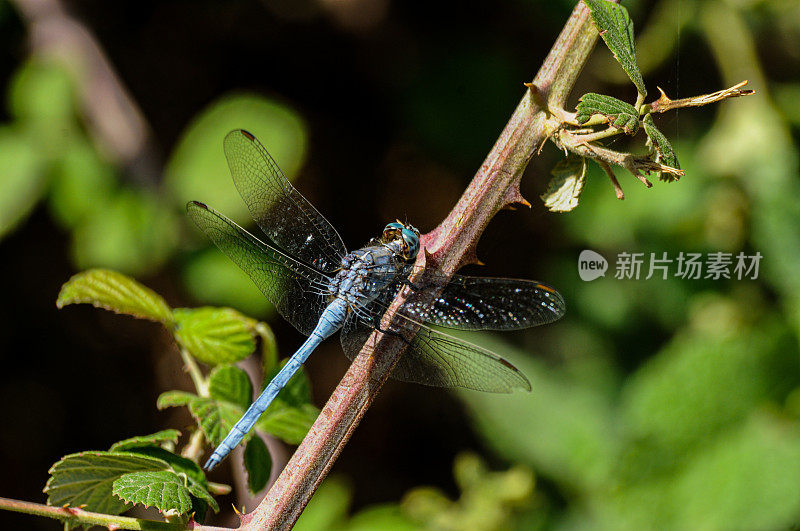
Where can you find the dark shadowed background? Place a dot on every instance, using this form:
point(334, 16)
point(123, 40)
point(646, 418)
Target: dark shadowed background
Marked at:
point(656, 403)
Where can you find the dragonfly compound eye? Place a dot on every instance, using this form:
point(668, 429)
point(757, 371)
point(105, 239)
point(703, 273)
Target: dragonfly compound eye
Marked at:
point(391, 231)
point(411, 241)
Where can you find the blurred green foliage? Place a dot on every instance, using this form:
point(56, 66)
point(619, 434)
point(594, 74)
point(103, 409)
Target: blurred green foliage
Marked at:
point(115, 221)
point(489, 500)
point(669, 404)
point(197, 166)
point(197, 170)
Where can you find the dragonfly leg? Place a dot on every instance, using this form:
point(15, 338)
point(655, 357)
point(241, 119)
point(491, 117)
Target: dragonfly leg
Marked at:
point(393, 333)
point(414, 287)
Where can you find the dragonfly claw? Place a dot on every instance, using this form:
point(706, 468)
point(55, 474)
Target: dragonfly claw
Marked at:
point(212, 462)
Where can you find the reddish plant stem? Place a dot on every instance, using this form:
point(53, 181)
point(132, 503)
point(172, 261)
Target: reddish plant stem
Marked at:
point(449, 246)
point(75, 516)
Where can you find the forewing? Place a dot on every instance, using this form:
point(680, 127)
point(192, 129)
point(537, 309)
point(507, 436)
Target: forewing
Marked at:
point(481, 303)
point(296, 290)
point(284, 215)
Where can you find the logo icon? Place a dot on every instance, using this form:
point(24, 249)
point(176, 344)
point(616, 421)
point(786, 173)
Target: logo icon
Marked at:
point(591, 265)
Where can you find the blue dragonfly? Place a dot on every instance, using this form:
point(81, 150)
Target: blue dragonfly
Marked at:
point(304, 269)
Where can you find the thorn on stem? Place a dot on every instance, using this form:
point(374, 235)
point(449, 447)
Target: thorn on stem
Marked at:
point(538, 97)
point(471, 257)
point(514, 198)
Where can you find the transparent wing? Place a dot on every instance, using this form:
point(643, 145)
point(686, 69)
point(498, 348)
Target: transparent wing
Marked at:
point(284, 215)
point(440, 360)
point(481, 303)
point(296, 290)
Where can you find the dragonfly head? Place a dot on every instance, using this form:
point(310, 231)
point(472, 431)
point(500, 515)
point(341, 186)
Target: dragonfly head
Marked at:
point(404, 234)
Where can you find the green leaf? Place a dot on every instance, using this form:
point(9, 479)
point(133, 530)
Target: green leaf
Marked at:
point(154, 439)
point(391, 517)
point(215, 335)
point(290, 424)
point(215, 417)
point(564, 189)
point(174, 399)
point(42, 92)
point(664, 152)
point(487, 498)
point(86, 478)
point(197, 168)
point(161, 489)
point(82, 182)
point(231, 384)
point(179, 464)
point(199, 491)
point(23, 180)
point(199, 509)
point(618, 113)
point(616, 29)
point(116, 292)
point(134, 231)
point(572, 420)
point(258, 464)
point(699, 384)
point(747, 477)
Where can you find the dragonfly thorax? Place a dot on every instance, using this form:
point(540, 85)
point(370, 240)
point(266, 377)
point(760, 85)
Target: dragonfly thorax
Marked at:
point(367, 271)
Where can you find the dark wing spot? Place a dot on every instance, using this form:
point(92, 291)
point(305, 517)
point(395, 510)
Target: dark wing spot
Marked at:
point(507, 364)
point(249, 136)
point(199, 204)
point(546, 288)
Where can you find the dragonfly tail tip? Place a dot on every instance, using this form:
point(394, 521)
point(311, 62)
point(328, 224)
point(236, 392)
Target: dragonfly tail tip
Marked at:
point(212, 462)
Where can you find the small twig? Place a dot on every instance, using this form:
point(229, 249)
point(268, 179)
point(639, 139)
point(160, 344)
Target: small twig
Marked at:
point(449, 246)
point(641, 178)
point(194, 372)
point(647, 165)
point(194, 449)
point(565, 139)
point(593, 136)
point(664, 104)
point(614, 182)
point(74, 516)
